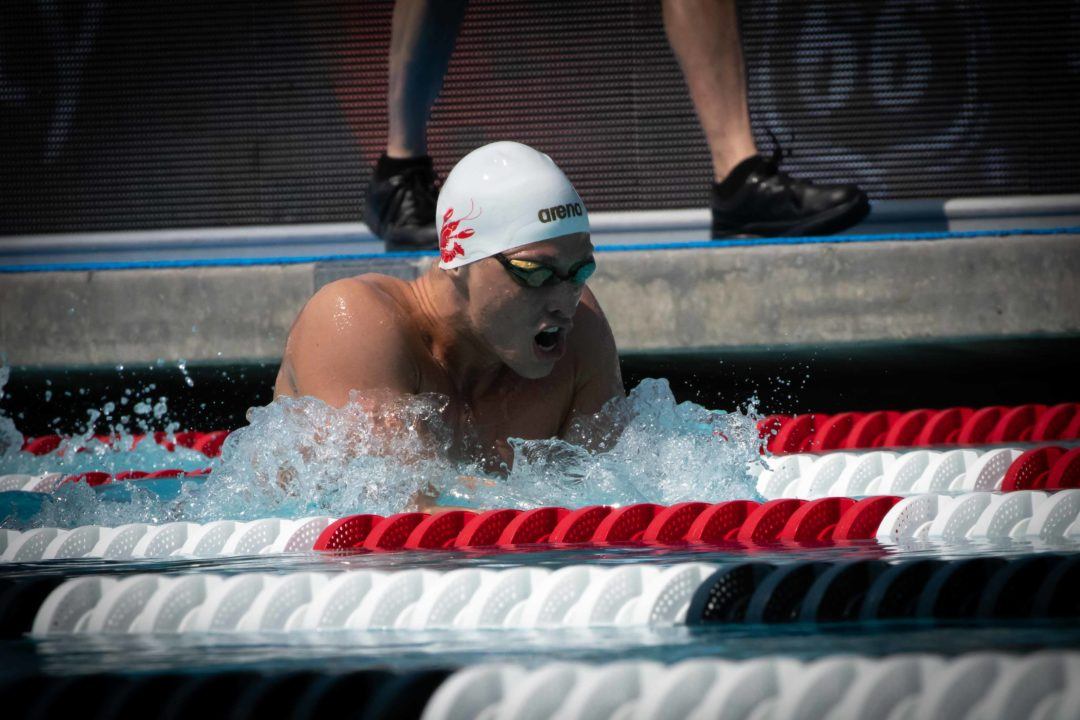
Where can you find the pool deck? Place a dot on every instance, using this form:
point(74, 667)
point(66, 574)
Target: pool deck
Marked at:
point(691, 298)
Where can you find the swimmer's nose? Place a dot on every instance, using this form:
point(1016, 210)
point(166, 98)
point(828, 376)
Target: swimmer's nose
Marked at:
point(563, 299)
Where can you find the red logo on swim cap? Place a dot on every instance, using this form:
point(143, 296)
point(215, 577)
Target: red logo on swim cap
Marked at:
point(449, 248)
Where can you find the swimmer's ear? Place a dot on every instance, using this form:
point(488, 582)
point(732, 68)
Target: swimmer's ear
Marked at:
point(461, 272)
point(458, 276)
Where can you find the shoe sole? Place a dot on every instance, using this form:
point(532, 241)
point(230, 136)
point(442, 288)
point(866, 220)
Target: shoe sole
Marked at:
point(832, 221)
point(414, 240)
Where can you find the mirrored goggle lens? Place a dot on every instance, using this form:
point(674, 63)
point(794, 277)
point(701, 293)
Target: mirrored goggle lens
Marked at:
point(541, 276)
point(538, 277)
point(584, 272)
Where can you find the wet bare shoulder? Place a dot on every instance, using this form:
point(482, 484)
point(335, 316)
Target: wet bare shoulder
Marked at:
point(596, 360)
point(591, 340)
point(351, 335)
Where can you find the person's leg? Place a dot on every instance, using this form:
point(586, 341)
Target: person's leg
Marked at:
point(422, 40)
point(704, 35)
point(750, 196)
point(400, 203)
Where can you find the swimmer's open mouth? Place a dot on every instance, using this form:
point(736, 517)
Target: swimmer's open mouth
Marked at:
point(548, 338)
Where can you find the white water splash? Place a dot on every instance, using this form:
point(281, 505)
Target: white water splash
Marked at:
point(299, 456)
point(11, 439)
point(84, 452)
point(658, 451)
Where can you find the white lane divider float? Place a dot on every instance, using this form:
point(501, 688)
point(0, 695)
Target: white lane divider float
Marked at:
point(175, 539)
point(1030, 515)
point(984, 685)
point(43, 483)
point(883, 472)
point(29, 545)
point(524, 597)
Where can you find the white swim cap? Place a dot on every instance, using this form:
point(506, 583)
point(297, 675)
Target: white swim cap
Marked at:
point(502, 196)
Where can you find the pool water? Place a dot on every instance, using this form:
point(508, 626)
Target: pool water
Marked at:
point(298, 458)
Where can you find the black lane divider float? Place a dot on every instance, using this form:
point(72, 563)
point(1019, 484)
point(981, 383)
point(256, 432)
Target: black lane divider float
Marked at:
point(238, 695)
point(1033, 586)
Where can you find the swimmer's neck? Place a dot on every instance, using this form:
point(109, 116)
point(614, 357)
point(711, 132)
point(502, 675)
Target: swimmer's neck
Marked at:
point(456, 347)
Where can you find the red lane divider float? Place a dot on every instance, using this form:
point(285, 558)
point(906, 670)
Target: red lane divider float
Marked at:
point(485, 529)
point(92, 478)
point(438, 531)
point(348, 532)
point(208, 443)
point(721, 522)
point(920, 428)
point(95, 478)
point(765, 522)
point(394, 532)
point(861, 520)
point(784, 521)
point(1045, 468)
point(532, 526)
point(816, 520)
point(579, 525)
point(672, 524)
point(42, 445)
point(625, 524)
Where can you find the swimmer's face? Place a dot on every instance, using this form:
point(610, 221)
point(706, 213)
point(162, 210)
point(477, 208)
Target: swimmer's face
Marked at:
point(527, 327)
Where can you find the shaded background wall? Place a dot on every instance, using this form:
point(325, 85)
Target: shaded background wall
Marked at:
point(124, 114)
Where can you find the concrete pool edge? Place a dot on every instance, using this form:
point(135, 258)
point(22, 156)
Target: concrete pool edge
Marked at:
point(704, 300)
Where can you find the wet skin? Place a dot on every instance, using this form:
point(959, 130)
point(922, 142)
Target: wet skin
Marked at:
point(468, 333)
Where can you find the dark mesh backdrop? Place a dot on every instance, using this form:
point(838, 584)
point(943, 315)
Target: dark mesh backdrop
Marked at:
point(125, 114)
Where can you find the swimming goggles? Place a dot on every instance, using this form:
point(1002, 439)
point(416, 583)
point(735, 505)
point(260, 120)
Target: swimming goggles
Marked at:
point(533, 274)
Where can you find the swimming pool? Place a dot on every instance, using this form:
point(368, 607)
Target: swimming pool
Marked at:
point(892, 556)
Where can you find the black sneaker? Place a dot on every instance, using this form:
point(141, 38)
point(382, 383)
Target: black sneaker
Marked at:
point(400, 204)
point(757, 199)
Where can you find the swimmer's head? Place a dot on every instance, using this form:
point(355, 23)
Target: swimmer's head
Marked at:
point(504, 196)
point(514, 236)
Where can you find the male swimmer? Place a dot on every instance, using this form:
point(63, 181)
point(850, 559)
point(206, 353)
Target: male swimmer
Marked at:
point(503, 325)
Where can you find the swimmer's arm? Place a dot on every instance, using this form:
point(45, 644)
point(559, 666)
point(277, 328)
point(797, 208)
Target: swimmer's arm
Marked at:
point(598, 379)
point(348, 337)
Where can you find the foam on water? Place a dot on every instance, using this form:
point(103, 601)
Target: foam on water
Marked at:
point(300, 456)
